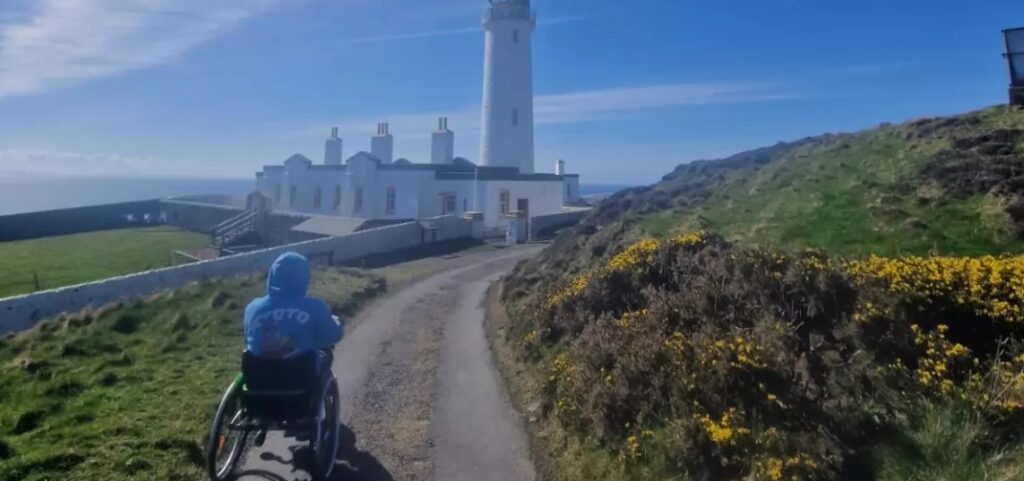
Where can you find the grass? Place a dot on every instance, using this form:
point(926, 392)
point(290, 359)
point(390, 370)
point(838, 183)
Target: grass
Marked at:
point(852, 195)
point(127, 392)
point(946, 443)
point(77, 258)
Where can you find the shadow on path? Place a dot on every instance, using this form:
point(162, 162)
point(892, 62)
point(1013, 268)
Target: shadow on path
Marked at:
point(351, 464)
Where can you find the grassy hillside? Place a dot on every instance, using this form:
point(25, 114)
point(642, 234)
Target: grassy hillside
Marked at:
point(873, 191)
point(127, 392)
point(735, 320)
point(73, 259)
point(945, 185)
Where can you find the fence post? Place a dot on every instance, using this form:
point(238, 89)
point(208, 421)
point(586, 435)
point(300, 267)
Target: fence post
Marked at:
point(35, 280)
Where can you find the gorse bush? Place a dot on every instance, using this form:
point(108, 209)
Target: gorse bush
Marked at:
point(716, 362)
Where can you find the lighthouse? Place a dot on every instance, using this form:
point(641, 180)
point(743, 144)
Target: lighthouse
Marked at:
point(506, 132)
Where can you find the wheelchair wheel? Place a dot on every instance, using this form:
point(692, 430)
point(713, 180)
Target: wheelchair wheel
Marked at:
point(227, 434)
point(325, 433)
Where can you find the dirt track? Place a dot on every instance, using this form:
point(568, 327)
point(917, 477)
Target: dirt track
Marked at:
point(420, 397)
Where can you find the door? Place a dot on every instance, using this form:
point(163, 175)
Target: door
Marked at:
point(523, 206)
point(447, 203)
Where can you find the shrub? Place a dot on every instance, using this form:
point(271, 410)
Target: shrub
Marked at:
point(732, 363)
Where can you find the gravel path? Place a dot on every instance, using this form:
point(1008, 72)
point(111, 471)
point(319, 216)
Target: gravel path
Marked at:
point(419, 395)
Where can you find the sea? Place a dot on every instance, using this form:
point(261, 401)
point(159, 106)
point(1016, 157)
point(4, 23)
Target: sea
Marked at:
point(20, 195)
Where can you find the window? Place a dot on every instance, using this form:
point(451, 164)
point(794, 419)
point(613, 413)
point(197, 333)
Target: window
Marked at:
point(515, 117)
point(337, 197)
point(317, 197)
point(465, 204)
point(568, 190)
point(448, 203)
point(389, 203)
point(515, 36)
point(503, 199)
point(357, 204)
point(277, 194)
point(291, 196)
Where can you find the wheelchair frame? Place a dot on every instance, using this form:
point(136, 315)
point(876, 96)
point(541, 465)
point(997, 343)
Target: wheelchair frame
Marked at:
point(322, 425)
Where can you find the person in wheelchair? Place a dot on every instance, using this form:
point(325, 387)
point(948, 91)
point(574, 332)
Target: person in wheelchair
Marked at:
point(289, 336)
point(286, 381)
point(286, 323)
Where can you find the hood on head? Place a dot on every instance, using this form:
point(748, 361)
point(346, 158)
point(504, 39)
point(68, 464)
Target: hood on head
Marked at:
point(288, 276)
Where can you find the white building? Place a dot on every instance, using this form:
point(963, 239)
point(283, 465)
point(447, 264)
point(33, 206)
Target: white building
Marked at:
point(374, 186)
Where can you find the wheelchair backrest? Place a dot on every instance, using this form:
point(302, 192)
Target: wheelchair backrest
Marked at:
point(279, 389)
point(291, 374)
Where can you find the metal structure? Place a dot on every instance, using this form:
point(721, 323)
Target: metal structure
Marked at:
point(1014, 40)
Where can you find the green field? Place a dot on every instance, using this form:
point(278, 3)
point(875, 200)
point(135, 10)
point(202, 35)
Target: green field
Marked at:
point(127, 392)
point(76, 258)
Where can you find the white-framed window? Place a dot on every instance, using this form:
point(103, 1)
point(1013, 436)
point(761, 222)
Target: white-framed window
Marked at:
point(292, 194)
point(447, 203)
point(357, 203)
point(317, 197)
point(337, 197)
point(503, 201)
point(389, 201)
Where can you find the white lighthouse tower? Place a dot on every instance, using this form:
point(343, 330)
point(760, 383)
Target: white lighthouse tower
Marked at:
point(506, 133)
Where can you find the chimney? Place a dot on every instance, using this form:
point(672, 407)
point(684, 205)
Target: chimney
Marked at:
point(442, 145)
point(559, 167)
point(332, 148)
point(382, 145)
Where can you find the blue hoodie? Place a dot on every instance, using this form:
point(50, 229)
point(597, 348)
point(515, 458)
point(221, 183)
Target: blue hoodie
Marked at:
point(286, 323)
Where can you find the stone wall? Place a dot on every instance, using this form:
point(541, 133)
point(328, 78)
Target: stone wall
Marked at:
point(543, 226)
point(197, 216)
point(277, 229)
point(22, 312)
point(32, 225)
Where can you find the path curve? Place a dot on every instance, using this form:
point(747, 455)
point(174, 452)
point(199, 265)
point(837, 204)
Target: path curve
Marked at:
point(420, 397)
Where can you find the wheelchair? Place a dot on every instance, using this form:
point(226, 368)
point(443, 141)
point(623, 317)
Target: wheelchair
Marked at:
point(297, 394)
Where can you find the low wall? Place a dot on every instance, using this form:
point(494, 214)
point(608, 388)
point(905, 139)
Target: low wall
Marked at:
point(22, 312)
point(197, 216)
point(277, 229)
point(31, 225)
point(544, 225)
point(227, 200)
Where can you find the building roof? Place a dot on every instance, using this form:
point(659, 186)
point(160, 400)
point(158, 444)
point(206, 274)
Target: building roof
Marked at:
point(489, 173)
point(459, 169)
point(298, 158)
point(329, 225)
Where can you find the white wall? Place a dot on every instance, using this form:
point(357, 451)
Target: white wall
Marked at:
point(22, 312)
point(545, 198)
point(572, 189)
point(568, 217)
point(417, 192)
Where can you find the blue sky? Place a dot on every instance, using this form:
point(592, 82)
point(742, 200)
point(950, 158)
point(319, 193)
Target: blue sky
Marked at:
point(625, 90)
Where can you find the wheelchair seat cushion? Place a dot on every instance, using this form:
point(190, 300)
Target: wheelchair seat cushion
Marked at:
point(279, 389)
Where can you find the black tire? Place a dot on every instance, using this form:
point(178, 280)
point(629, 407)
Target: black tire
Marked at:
point(220, 463)
point(324, 439)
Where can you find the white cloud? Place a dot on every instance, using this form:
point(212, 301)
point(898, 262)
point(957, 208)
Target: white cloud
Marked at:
point(583, 106)
point(457, 31)
point(77, 163)
point(415, 35)
point(412, 129)
point(63, 42)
